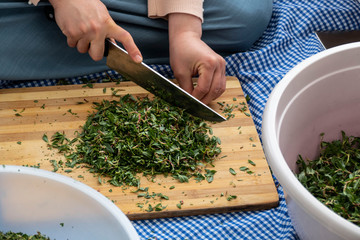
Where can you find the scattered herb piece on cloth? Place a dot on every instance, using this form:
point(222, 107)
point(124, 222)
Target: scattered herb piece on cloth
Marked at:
point(334, 178)
point(132, 135)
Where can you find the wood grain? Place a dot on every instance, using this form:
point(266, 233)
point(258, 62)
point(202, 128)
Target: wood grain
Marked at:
point(46, 110)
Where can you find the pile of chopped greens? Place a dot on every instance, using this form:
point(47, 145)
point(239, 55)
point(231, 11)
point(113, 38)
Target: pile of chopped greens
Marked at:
point(334, 178)
point(129, 136)
point(22, 236)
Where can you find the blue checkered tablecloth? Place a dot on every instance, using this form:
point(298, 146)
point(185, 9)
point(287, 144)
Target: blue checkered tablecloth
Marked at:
point(288, 40)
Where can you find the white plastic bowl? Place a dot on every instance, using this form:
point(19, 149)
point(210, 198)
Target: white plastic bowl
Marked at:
point(60, 207)
point(319, 95)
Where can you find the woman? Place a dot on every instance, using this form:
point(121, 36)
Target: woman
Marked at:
point(178, 32)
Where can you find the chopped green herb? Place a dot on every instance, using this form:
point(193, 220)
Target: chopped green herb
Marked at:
point(70, 111)
point(199, 177)
point(100, 180)
point(163, 196)
point(243, 168)
point(55, 165)
point(130, 136)
point(251, 162)
point(232, 171)
point(33, 166)
point(180, 204)
point(221, 103)
point(181, 178)
point(210, 175)
point(336, 173)
point(231, 197)
point(140, 205)
point(22, 236)
point(45, 138)
point(157, 207)
point(89, 85)
point(59, 141)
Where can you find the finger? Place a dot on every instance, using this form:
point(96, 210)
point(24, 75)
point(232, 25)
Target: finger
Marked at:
point(83, 45)
point(203, 87)
point(185, 81)
point(121, 35)
point(212, 81)
point(219, 79)
point(71, 42)
point(97, 49)
point(217, 88)
point(72, 39)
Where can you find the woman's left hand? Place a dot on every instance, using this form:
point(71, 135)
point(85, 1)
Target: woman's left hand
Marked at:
point(190, 56)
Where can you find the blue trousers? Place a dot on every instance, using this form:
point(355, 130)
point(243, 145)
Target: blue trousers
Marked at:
point(33, 47)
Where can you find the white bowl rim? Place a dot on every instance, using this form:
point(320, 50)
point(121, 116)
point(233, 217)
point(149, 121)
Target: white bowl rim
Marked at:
point(283, 173)
point(85, 189)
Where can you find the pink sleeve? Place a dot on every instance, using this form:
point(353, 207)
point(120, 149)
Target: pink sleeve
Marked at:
point(35, 2)
point(161, 8)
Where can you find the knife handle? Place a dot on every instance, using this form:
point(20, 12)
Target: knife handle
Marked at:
point(106, 49)
point(49, 12)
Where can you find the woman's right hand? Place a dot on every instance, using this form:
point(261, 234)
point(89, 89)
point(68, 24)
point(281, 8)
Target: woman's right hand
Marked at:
point(87, 23)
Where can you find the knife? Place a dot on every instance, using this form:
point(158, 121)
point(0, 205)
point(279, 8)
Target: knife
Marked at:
point(152, 81)
point(335, 38)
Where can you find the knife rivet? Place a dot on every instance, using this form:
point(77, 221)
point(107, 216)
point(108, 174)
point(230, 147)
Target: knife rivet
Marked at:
point(49, 11)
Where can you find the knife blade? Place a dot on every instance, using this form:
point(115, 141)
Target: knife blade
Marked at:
point(335, 38)
point(147, 78)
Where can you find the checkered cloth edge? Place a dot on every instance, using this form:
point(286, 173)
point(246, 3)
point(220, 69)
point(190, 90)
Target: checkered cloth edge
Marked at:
point(288, 40)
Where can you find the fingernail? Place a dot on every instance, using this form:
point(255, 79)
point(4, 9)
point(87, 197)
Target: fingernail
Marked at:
point(138, 58)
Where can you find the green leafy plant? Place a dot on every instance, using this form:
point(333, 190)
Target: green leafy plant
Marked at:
point(132, 135)
point(334, 177)
point(21, 236)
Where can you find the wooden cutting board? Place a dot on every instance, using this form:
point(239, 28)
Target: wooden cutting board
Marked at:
point(28, 113)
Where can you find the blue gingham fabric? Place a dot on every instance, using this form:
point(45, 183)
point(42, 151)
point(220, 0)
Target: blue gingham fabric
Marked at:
point(288, 40)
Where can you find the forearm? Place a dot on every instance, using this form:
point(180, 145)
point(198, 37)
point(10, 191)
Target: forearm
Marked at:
point(184, 24)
